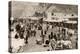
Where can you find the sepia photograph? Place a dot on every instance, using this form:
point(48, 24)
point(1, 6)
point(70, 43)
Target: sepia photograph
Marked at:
point(39, 27)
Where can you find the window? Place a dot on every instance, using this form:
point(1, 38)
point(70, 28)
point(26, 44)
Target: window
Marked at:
point(72, 15)
point(52, 14)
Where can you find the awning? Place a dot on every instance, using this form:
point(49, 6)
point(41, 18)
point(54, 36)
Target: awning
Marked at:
point(71, 22)
point(33, 18)
point(51, 20)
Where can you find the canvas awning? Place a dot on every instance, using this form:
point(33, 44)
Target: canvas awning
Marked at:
point(51, 20)
point(33, 18)
point(71, 22)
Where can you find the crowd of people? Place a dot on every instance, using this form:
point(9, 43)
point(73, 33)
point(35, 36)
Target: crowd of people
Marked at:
point(46, 34)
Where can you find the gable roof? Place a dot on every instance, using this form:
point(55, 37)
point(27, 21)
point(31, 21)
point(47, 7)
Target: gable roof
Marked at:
point(63, 8)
